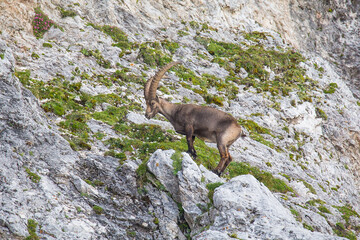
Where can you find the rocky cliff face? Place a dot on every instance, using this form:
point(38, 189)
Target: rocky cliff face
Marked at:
point(79, 160)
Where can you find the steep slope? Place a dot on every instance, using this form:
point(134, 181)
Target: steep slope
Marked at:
point(75, 145)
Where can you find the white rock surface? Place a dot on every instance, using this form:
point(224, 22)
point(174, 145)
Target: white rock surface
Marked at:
point(317, 157)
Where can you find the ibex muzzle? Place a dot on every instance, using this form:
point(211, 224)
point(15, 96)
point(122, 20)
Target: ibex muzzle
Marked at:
point(191, 120)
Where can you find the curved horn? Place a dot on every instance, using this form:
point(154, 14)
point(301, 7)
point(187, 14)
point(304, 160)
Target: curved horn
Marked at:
point(154, 81)
point(146, 89)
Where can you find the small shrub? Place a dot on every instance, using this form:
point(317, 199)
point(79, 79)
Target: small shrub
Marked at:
point(41, 23)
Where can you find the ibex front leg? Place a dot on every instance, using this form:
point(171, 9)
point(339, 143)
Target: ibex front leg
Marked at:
point(190, 141)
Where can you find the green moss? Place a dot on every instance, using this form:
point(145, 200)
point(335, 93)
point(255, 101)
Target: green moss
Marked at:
point(143, 146)
point(59, 93)
point(33, 176)
point(98, 210)
point(347, 212)
point(252, 126)
point(35, 56)
point(131, 234)
point(320, 69)
point(255, 36)
point(211, 187)
point(286, 129)
point(268, 164)
point(177, 161)
point(55, 107)
point(322, 188)
point(341, 231)
point(97, 55)
point(313, 202)
point(24, 77)
point(309, 186)
point(62, 98)
point(233, 235)
point(170, 46)
point(77, 143)
point(117, 35)
point(182, 33)
point(95, 183)
point(112, 115)
point(323, 209)
point(152, 55)
point(48, 45)
point(308, 227)
point(125, 76)
point(296, 214)
point(331, 88)
point(274, 184)
point(76, 123)
point(31, 227)
point(194, 25)
point(320, 114)
point(141, 172)
point(120, 155)
point(256, 132)
point(67, 13)
point(284, 63)
point(209, 98)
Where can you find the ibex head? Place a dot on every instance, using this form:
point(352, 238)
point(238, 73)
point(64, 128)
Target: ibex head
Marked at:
point(152, 101)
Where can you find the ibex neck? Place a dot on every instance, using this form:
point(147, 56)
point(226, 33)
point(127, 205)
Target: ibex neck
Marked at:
point(166, 109)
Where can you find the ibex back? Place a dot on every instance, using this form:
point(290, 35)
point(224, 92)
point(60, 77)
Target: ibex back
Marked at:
point(206, 123)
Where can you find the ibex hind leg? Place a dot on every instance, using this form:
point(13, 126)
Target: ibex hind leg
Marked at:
point(224, 158)
point(224, 142)
point(228, 161)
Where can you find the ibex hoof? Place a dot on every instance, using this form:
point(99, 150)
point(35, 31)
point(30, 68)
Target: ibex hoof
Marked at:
point(194, 155)
point(217, 172)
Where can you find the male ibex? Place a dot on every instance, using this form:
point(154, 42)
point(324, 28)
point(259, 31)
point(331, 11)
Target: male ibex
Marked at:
point(206, 123)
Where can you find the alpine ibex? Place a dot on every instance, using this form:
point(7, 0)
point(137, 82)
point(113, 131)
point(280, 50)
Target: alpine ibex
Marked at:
point(206, 123)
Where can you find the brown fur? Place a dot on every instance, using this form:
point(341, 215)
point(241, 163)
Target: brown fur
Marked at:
point(206, 123)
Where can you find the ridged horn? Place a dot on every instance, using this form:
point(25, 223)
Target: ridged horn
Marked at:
point(146, 89)
point(153, 82)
